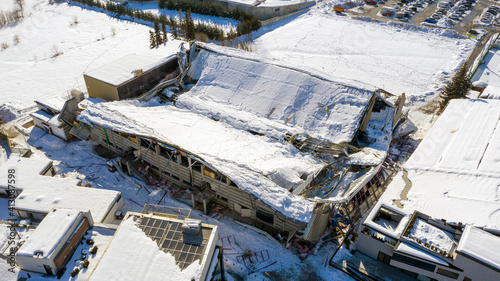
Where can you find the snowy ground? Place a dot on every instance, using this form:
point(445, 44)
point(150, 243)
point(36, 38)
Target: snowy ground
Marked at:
point(29, 69)
point(400, 59)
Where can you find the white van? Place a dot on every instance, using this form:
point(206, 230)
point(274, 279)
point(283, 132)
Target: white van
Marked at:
point(443, 4)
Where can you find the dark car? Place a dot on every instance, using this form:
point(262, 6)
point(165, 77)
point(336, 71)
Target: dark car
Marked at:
point(430, 20)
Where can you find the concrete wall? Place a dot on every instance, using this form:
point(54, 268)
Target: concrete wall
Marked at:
point(475, 270)
point(99, 89)
point(371, 247)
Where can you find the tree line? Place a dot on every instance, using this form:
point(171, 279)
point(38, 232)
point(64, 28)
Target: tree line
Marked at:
point(185, 26)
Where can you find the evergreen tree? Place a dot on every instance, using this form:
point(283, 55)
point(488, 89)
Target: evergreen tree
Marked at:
point(189, 26)
point(152, 43)
point(456, 89)
point(157, 34)
point(164, 31)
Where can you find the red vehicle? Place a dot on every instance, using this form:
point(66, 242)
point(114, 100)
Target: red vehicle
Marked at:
point(370, 2)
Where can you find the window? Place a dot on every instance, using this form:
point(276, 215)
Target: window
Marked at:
point(265, 216)
point(413, 262)
point(196, 167)
point(383, 257)
point(146, 143)
point(165, 152)
point(208, 172)
point(447, 273)
point(184, 161)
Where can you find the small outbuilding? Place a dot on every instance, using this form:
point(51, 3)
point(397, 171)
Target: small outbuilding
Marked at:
point(129, 76)
point(54, 241)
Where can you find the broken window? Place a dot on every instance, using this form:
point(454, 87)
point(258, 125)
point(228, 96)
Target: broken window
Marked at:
point(184, 161)
point(265, 216)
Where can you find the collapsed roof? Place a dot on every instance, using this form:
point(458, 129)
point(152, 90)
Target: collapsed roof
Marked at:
point(265, 126)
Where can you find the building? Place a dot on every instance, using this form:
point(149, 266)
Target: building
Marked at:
point(157, 246)
point(53, 242)
point(282, 148)
point(263, 9)
point(454, 173)
point(130, 76)
point(25, 167)
point(47, 117)
point(36, 192)
point(429, 249)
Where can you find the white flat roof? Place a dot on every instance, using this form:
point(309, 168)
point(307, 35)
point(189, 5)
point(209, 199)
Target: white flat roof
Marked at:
point(455, 171)
point(55, 103)
point(27, 169)
point(419, 253)
point(42, 115)
point(123, 69)
point(138, 258)
point(480, 245)
point(48, 234)
point(465, 138)
point(46, 193)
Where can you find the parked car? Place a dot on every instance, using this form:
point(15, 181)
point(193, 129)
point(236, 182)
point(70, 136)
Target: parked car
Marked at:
point(370, 2)
point(430, 20)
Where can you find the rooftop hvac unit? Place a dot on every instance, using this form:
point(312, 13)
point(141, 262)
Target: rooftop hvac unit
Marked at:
point(191, 226)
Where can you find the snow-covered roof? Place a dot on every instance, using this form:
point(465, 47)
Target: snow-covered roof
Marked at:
point(465, 139)
point(138, 257)
point(123, 69)
point(487, 72)
point(419, 253)
point(46, 193)
point(480, 245)
point(245, 158)
point(55, 103)
point(491, 92)
point(455, 171)
point(42, 115)
point(393, 233)
point(268, 3)
point(27, 169)
point(253, 93)
point(48, 234)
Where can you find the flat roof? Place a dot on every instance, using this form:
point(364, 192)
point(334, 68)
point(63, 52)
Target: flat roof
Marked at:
point(454, 173)
point(393, 233)
point(42, 115)
point(46, 193)
point(465, 138)
point(488, 72)
point(27, 169)
point(48, 234)
point(55, 103)
point(480, 245)
point(419, 253)
point(165, 252)
point(123, 69)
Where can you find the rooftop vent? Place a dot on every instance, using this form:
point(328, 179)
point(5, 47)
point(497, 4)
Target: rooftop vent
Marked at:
point(191, 226)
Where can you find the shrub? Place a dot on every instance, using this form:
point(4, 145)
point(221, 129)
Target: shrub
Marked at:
point(75, 272)
point(85, 264)
point(93, 251)
point(16, 39)
point(90, 242)
point(5, 46)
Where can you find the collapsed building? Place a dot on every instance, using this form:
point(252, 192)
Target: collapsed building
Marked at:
point(285, 149)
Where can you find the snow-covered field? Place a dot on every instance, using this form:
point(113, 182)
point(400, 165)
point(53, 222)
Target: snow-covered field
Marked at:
point(399, 59)
point(30, 70)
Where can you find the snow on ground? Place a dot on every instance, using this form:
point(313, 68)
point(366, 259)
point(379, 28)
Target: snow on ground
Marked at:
point(7, 5)
point(432, 235)
point(400, 59)
point(29, 69)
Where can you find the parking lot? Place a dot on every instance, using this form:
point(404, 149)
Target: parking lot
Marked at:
point(459, 15)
